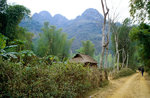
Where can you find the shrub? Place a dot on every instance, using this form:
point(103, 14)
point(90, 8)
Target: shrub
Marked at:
point(58, 80)
point(147, 69)
point(123, 72)
point(27, 56)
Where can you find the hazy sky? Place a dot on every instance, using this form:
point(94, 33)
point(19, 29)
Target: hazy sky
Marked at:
point(73, 8)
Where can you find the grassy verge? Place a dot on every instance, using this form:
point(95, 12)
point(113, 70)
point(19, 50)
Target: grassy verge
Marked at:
point(123, 72)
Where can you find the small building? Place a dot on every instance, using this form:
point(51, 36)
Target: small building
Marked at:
point(84, 59)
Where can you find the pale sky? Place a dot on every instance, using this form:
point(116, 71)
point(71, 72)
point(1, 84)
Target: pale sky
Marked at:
point(73, 8)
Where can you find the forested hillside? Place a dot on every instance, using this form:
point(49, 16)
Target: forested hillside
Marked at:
point(85, 27)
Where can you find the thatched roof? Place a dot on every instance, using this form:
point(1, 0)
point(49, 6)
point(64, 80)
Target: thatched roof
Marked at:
point(81, 58)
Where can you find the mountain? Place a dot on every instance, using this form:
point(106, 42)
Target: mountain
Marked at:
point(87, 26)
point(59, 20)
point(42, 17)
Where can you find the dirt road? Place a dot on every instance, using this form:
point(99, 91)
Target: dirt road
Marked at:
point(134, 86)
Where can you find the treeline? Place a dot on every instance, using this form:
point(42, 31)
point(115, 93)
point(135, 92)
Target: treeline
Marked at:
point(129, 42)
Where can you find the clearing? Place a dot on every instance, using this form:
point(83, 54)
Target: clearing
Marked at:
point(134, 86)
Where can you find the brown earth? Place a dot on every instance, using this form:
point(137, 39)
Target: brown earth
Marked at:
point(134, 86)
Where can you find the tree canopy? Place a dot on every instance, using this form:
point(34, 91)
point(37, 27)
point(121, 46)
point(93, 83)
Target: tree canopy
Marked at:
point(53, 42)
point(140, 10)
point(87, 48)
point(10, 17)
point(141, 35)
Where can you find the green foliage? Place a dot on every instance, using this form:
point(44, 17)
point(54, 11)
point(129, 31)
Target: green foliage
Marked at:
point(5, 50)
point(104, 83)
point(25, 36)
point(16, 52)
point(10, 17)
point(14, 16)
point(123, 72)
point(87, 48)
point(58, 80)
point(51, 59)
point(19, 43)
point(140, 10)
point(141, 35)
point(110, 60)
point(2, 41)
point(9, 55)
point(3, 5)
point(124, 42)
point(147, 69)
point(121, 32)
point(53, 42)
point(27, 56)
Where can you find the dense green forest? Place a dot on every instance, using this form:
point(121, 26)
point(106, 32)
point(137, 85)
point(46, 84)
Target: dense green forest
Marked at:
point(35, 51)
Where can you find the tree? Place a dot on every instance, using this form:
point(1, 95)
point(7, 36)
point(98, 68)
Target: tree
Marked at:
point(104, 44)
point(124, 41)
point(105, 12)
point(3, 6)
point(10, 17)
point(87, 48)
point(14, 16)
point(24, 35)
point(53, 42)
point(121, 42)
point(141, 35)
point(140, 10)
point(115, 30)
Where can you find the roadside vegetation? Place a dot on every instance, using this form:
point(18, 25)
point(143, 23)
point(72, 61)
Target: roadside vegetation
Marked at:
point(122, 73)
point(42, 80)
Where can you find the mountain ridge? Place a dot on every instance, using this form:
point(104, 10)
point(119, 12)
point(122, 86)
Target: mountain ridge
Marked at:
point(87, 26)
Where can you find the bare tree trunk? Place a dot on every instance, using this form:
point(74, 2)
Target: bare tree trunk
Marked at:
point(107, 36)
point(105, 64)
point(127, 60)
point(103, 32)
point(106, 58)
point(123, 57)
point(104, 7)
point(103, 48)
point(117, 51)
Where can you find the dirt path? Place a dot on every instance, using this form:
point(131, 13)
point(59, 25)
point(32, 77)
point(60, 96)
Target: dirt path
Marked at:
point(134, 86)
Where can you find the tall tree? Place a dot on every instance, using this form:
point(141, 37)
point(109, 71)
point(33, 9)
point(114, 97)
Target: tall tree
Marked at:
point(53, 42)
point(115, 29)
point(87, 48)
point(104, 44)
point(121, 43)
point(141, 35)
point(24, 35)
point(10, 17)
point(14, 16)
